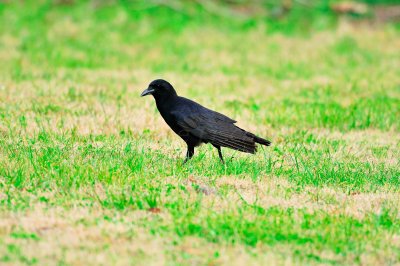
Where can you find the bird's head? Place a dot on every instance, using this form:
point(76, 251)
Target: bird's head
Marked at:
point(160, 89)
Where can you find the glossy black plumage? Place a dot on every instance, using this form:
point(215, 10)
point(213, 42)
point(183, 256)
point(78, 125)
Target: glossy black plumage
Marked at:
point(196, 124)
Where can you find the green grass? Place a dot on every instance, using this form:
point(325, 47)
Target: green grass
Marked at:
point(90, 174)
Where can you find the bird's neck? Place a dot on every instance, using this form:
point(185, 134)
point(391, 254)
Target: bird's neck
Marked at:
point(165, 101)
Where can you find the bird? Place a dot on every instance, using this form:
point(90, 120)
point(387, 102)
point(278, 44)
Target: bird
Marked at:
point(196, 124)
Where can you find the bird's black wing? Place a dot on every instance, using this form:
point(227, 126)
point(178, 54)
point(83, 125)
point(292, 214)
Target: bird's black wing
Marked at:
point(215, 128)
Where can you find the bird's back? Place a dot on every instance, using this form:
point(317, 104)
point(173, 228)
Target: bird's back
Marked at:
point(189, 107)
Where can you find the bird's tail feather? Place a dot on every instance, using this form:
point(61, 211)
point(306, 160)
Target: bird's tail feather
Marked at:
point(236, 143)
point(262, 141)
point(237, 139)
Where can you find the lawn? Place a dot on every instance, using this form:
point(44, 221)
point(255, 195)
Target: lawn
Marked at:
point(91, 174)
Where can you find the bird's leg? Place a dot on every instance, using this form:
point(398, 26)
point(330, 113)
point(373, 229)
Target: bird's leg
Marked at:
point(220, 153)
point(189, 153)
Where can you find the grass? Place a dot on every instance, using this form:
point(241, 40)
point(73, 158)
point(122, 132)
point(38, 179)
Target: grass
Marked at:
point(90, 174)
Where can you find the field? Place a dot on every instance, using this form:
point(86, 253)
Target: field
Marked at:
point(91, 174)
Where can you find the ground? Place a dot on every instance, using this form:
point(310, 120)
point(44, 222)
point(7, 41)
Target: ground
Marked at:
point(91, 174)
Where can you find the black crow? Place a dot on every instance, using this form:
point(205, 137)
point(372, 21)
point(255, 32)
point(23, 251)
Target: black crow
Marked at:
point(196, 124)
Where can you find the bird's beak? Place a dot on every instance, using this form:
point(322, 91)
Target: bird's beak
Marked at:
point(147, 92)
